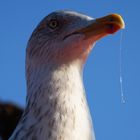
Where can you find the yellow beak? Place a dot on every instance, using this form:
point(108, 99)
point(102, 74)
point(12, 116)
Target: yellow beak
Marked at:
point(103, 26)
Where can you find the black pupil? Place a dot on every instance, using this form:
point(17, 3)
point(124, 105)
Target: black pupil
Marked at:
point(53, 24)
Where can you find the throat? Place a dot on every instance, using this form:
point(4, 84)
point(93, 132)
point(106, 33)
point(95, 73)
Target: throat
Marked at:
point(57, 105)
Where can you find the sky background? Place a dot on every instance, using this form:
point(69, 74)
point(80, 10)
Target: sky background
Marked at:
point(112, 119)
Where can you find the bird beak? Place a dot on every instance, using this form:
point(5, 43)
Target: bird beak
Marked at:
point(103, 26)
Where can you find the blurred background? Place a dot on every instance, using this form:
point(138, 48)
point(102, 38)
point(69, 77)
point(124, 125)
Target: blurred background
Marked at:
point(112, 119)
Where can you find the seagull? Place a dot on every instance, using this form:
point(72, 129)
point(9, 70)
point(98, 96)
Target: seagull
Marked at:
point(56, 105)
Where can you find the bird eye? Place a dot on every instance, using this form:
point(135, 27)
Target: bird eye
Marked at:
point(53, 24)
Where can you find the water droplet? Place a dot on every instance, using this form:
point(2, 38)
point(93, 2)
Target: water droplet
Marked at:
point(121, 79)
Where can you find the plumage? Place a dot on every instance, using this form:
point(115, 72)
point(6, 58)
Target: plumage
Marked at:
point(56, 106)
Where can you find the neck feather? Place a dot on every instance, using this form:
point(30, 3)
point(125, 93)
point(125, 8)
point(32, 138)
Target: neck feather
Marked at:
point(57, 105)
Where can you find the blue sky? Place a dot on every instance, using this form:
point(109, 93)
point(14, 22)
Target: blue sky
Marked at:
point(112, 120)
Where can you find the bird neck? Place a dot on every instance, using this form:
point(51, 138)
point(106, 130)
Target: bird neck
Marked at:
point(57, 105)
point(53, 82)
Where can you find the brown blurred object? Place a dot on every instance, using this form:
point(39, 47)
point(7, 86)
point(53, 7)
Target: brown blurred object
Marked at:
point(9, 117)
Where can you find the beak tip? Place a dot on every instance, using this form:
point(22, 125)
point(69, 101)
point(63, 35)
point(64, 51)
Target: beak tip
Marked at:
point(119, 20)
point(115, 22)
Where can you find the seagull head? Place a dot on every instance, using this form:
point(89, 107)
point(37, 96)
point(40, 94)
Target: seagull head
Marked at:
point(64, 37)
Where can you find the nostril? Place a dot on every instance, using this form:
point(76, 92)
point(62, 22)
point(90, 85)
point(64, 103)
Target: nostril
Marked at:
point(110, 19)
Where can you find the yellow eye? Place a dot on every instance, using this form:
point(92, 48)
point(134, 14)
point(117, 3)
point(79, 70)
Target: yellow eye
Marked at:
point(53, 24)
